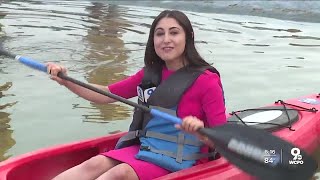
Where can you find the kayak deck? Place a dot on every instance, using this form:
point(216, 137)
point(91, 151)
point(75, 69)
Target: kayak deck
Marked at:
point(47, 163)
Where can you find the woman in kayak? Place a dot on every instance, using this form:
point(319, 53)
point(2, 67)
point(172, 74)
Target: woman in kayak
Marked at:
point(174, 77)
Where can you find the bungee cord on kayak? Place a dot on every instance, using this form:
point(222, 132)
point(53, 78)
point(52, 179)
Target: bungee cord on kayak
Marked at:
point(285, 119)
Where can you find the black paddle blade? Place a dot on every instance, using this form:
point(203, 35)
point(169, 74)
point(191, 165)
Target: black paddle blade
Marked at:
point(260, 153)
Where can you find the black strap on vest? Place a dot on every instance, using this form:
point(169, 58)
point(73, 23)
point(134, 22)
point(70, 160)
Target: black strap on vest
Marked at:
point(170, 91)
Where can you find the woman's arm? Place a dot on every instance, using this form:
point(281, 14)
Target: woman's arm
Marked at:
point(125, 88)
point(213, 101)
point(88, 94)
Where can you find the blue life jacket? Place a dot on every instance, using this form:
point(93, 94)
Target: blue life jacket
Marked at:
point(164, 145)
point(160, 142)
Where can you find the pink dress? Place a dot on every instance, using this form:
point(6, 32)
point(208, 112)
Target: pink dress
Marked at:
point(203, 100)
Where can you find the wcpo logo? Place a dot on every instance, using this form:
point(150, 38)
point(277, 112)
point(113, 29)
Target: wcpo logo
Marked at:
point(297, 157)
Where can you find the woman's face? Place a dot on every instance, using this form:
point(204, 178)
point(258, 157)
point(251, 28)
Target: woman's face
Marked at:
point(169, 40)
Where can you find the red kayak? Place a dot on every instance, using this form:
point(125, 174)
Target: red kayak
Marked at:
point(296, 120)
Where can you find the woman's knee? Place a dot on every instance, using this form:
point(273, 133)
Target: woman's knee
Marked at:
point(123, 171)
point(98, 162)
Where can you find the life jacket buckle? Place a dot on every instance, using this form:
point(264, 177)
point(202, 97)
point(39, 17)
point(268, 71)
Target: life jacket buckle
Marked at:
point(145, 148)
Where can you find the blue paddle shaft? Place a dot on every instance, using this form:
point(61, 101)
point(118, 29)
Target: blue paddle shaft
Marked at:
point(32, 63)
point(166, 116)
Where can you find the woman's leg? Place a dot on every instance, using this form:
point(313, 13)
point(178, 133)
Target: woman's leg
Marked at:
point(122, 171)
point(90, 169)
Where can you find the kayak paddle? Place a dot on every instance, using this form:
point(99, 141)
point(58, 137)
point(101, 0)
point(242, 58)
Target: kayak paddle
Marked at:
point(255, 151)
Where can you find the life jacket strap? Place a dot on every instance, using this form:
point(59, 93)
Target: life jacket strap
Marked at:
point(180, 142)
point(133, 135)
point(179, 158)
point(129, 136)
point(171, 138)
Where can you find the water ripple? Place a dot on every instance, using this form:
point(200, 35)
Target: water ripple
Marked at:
point(273, 29)
point(304, 45)
point(298, 37)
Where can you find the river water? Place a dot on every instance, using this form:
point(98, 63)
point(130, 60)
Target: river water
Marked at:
point(264, 52)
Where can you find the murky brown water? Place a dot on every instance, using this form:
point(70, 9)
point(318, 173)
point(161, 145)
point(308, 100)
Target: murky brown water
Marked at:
point(5, 129)
point(261, 60)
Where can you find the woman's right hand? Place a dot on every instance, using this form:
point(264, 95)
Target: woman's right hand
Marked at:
point(53, 70)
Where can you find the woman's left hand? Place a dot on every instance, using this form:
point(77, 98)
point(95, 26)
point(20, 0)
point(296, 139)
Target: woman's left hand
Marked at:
point(190, 124)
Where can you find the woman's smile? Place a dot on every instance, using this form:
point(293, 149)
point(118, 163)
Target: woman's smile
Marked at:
point(167, 49)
